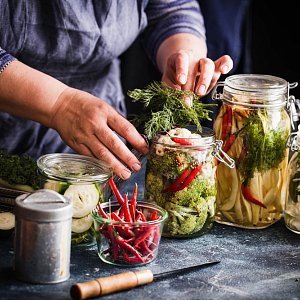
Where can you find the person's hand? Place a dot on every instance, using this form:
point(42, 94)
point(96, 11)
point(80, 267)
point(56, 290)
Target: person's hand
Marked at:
point(185, 72)
point(91, 127)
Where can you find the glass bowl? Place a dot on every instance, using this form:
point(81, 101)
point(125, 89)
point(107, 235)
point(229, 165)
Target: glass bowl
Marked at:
point(129, 243)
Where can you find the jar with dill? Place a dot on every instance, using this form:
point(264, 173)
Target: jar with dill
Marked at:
point(254, 125)
point(181, 164)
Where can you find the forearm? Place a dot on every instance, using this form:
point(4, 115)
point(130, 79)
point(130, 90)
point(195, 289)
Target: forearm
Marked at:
point(28, 93)
point(195, 46)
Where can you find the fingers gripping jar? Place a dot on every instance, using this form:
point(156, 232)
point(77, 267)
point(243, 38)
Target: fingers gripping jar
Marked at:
point(254, 125)
point(181, 178)
point(292, 204)
point(80, 179)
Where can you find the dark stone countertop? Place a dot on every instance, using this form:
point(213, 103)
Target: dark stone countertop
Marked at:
point(255, 264)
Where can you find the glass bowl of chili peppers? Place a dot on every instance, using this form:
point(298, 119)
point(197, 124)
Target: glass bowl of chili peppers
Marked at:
point(128, 231)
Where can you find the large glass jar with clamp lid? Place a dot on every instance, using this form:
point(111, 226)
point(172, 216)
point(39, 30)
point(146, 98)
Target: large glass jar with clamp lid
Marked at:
point(181, 178)
point(292, 201)
point(254, 125)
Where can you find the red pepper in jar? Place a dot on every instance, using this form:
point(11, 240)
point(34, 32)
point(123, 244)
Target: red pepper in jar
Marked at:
point(249, 197)
point(178, 181)
point(226, 123)
point(182, 141)
point(184, 180)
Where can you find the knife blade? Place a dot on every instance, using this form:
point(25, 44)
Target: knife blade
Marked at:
point(126, 280)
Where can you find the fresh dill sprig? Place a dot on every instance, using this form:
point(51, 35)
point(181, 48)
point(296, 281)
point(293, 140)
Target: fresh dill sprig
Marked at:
point(165, 109)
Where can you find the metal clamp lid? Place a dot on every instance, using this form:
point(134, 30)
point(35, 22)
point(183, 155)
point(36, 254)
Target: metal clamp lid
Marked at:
point(222, 156)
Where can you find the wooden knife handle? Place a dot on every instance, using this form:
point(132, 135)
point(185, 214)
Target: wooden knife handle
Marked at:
point(110, 284)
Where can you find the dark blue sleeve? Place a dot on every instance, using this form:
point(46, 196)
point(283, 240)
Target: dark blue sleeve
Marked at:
point(226, 25)
point(168, 17)
point(5, 59)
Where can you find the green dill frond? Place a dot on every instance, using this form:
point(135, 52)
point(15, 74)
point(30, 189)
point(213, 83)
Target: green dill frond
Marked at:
point(165, 108)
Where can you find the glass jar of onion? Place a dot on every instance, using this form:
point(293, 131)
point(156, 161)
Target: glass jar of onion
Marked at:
point(254, 125)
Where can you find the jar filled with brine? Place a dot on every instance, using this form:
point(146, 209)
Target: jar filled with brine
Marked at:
point(181, 178)
point(292, 204)
point(81, 179)
point(254, 125)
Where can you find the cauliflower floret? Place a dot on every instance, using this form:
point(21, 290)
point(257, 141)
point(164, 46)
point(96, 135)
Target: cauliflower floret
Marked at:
point(180, 132)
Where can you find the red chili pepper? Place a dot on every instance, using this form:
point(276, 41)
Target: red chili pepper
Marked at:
point(112, 239)
point(133, 202)
point(129, 248)
point(145, 249)
point(116, 191)
point(182, 141)
point(226, 123)
point(179, 180)
point(130, 259)
point(101, 211)
point(189, 179)
point(126, 209)
point(142, 236)
point(154, 216)
point(231, 139)
point(140, 216)
point(248, 196)
point(121, 213)
point(122, 229)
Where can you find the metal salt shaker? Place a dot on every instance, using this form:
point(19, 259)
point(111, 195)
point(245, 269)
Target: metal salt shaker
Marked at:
point(42, 244)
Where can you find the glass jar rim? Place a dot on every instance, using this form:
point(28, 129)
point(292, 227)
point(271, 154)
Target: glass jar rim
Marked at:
point(207, 138)
point(142, 204)
point(74, 168)
point(256, 90)
point(257, 82)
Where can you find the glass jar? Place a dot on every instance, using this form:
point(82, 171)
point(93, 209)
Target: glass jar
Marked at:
point(254, 126)
point(292, 204)
point(181, 178)
point(82, 180)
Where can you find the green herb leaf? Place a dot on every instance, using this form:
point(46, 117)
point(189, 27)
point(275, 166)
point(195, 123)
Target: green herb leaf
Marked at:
point(265, 147)
point(165, 109)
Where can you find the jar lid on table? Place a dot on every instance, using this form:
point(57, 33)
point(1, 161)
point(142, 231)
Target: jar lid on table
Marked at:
point(73, 168)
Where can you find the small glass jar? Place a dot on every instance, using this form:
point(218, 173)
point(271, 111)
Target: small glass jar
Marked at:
point(254, 125)
point(181, 178)
point(82, 180)
point(129, 243)
point(292, 204)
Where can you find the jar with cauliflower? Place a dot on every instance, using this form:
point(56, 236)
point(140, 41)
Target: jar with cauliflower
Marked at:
point(181, 178)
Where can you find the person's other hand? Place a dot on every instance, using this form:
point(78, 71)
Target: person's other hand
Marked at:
point(91, 127)
point(185, 72)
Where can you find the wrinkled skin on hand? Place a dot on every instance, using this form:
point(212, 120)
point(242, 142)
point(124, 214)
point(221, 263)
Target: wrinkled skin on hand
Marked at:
point(90, 126)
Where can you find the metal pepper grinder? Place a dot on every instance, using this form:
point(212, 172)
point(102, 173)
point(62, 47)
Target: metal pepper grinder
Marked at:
point(42, 244)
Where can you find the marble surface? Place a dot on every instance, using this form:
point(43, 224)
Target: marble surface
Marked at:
point(255, 264)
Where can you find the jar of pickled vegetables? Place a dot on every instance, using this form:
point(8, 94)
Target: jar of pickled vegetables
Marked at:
point(292, 204)
point(82, 180)
point(254, 125)
point(181, 178)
